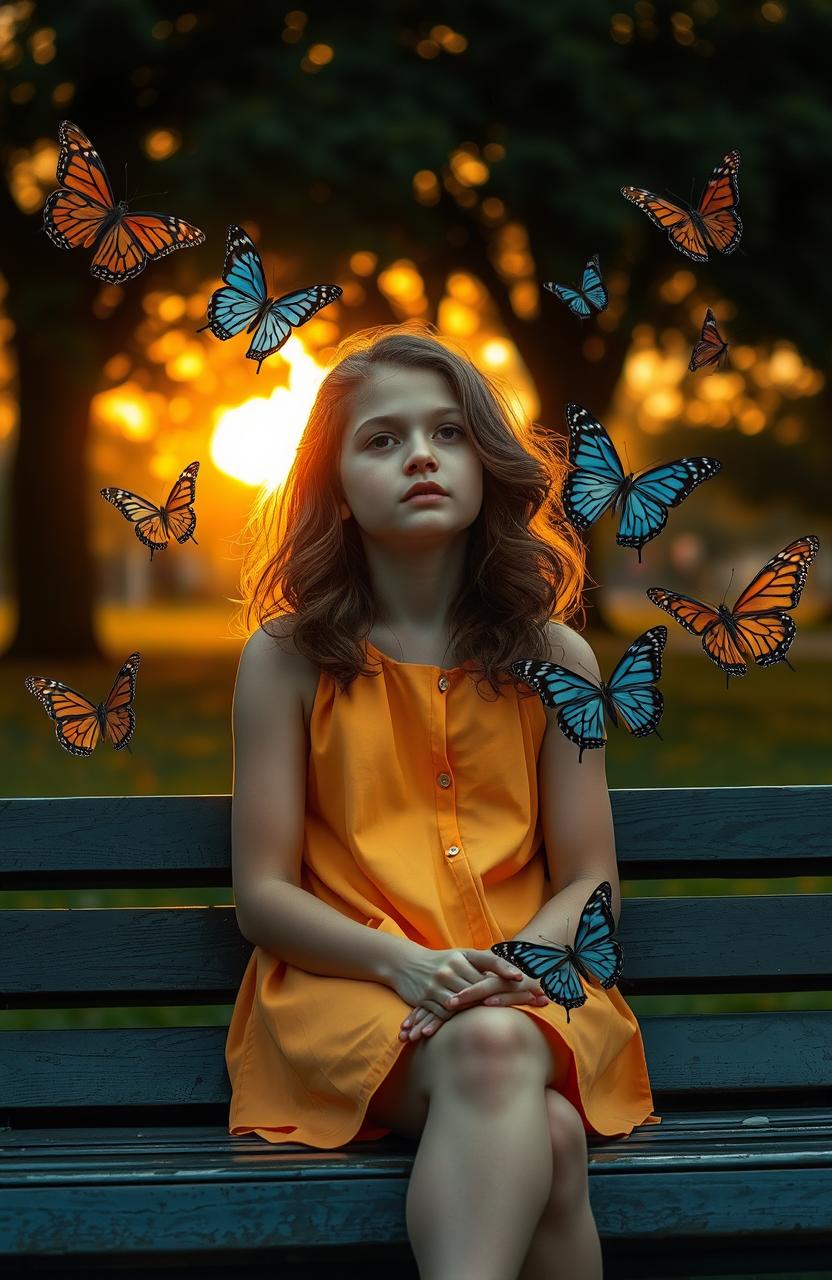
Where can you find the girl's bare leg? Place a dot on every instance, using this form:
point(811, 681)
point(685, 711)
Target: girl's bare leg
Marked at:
point(483, 1170)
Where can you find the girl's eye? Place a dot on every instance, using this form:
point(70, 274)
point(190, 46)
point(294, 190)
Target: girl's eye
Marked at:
point(385, 435)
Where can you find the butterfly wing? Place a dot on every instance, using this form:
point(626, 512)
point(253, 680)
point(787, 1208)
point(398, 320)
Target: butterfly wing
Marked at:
point(179, 512)
point(147, 518)
point(74, 214)
point(763, 626)
point(120, 719)
point(138, 238)
point(711, 347)
point(548, 965)
point(717, 206)
point(76, 718)
point(705, 621)
point(591, 293)
point(288, 312)
point(631, 684)
point(598, 476)
point(580, 703)
point(574, 298)
point(644, 510)
point(232, 308)
point(594, 944)
point(677, 222)
point(592, 286)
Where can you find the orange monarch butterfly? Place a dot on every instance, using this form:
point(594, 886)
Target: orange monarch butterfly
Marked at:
point(758, 625)
point(155, 525)
point(711, 347)
point(714, 222)
point(82, 212)
point(79, 723)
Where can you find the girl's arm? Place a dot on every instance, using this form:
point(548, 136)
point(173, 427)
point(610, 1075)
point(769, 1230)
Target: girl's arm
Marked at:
point(575, 810)
point(273, 911)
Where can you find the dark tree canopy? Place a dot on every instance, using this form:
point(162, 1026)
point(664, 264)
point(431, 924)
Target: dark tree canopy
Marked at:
point(578, 101)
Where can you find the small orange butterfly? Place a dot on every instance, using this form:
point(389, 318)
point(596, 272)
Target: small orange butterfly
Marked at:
point(758, 626)
point(79, 723)
point(714, 222)
point(82, 213)
point(711, 349)
point(154, 526)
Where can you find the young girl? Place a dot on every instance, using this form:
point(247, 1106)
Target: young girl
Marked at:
point(402, 802)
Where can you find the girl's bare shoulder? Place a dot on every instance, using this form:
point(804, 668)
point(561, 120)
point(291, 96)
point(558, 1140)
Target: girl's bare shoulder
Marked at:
point(273, 648)
point(569, 649)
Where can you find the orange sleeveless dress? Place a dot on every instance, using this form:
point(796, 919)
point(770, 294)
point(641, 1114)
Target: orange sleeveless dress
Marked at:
point(421, 820)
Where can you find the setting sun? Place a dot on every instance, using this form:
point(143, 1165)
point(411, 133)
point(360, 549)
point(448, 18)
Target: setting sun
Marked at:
point(255, 441)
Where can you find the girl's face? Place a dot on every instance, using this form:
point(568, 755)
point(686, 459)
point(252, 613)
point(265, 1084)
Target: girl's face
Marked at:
point(404, 426)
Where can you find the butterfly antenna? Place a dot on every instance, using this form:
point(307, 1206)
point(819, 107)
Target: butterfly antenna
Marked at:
point(728, 588)
point(681, 199)
point(146, 194)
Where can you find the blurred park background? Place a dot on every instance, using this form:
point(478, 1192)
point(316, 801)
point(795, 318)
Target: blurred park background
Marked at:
point(439, 164)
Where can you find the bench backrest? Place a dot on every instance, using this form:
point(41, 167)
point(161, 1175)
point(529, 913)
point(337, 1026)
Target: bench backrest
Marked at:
point(179, 956)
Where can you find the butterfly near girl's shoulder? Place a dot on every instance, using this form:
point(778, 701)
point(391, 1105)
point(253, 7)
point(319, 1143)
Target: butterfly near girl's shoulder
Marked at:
point(598, 482)
point(596, 956)
point(590, 294)
point(82, 213)
point(711, 349)
point(758, 625)
point(155, 526)
point(242, 303)
point(582, 705)
point(79, 723)
point(714, 223)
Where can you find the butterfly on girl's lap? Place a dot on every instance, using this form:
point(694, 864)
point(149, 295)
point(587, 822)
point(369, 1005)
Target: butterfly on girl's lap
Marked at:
point(582, 704)
point(757, 626)
point(79, 723)
point(714, 223)
point(598, 482)
point(82, 213)
point(242, 303)
point(596, 954)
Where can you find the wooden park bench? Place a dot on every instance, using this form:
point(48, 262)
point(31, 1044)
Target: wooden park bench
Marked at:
point(114, 1150)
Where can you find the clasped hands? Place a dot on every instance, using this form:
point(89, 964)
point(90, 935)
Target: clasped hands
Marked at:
point(490, 989)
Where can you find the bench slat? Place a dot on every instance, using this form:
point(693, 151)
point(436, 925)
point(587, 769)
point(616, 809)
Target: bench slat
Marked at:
point(223, 1201)
point(65, 842)
point(150, 955)
point(701, 1056)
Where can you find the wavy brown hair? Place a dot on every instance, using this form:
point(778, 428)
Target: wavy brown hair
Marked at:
point(524, 562)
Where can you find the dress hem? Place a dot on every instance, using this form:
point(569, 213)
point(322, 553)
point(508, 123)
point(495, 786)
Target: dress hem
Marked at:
point(626, 1127)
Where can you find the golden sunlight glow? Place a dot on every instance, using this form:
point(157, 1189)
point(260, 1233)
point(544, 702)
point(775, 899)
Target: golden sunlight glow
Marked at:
point(162, 143)
point(469, 169)
point(32, 174)
point(124, 407)
point(495, 353)
point(363, 263)
point(402, 284)
point(255, 442)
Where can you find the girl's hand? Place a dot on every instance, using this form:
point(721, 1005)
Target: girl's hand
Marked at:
point(490, 990)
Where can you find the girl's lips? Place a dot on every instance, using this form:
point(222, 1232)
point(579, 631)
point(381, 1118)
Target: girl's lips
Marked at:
point(427, 497)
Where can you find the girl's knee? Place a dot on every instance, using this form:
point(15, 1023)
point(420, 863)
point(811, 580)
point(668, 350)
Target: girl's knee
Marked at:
point(487, 1041)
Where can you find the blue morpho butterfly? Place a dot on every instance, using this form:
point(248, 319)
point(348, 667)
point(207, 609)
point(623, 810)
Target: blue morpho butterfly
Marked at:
point(598, 481)
point(243, 304)
point(596, 954)
point(591, 293)
point(581, 704)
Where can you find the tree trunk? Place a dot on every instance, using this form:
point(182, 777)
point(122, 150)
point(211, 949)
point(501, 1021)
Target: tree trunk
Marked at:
point(61, 347)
